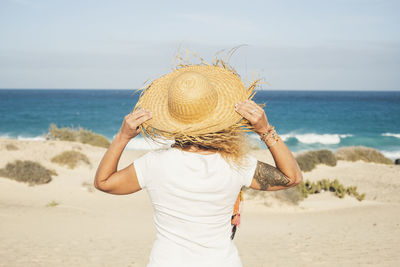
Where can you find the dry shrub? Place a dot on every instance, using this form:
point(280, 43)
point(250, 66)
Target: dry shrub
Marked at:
point(70, 158)
point(63, 134)
point(80, 135)
point(11, 147)
point(89, 186)
point(28, 172)
point(291, 195)
point(354, 153)
point(94, 139)
point(309, 160)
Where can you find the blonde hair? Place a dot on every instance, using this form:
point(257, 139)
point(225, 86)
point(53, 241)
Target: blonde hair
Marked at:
point(232, 145)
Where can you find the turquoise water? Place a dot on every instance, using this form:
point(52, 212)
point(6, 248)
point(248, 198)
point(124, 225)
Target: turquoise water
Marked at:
point(304, 119)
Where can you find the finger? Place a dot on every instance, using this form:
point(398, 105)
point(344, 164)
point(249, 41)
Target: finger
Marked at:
point(249, 101)
point(134, 120)
point(245, 113)
point(253, 104)
point(239, 109)
point(133, 114)
point(249, 110)
point(138, 113)
point(133, 124)
point(142, 119)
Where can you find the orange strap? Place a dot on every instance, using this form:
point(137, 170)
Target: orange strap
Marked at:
point(235, 221)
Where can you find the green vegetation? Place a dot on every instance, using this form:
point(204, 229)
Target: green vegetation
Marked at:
point(11, 147)
point(28, 172)
point(80, 135)
point(70, 158)
point(309, 160)
point(306, 187)
point(294, 195)
point(52, 204)
point(354, 153)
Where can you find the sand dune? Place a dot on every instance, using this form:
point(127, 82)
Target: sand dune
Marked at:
point(90, 228)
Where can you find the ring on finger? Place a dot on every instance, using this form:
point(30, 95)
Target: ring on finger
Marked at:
point(253, 111)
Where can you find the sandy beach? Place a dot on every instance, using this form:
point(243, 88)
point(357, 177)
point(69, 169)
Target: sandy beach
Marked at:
point(68, 223)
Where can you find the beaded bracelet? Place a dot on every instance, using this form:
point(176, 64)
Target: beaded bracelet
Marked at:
point(270, 134)
point(265, 134)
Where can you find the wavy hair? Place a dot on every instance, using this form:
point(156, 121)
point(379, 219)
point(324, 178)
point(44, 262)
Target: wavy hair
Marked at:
point(232, 145)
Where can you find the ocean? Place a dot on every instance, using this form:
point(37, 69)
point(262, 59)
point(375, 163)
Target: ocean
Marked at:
point(305, 120)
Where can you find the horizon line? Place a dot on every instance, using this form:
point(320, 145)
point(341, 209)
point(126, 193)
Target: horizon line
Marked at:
point(349, 90)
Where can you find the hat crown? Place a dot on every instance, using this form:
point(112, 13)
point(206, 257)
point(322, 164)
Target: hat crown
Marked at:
point(191, 97)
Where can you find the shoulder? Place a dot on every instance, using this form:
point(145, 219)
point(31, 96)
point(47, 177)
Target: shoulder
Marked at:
point(247, 165)
point(249, 161)
point(152, 161)
point(247, 169)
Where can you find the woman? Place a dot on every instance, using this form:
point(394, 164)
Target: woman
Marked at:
point(193, 185)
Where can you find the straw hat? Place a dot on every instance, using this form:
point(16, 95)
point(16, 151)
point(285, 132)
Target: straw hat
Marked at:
point(194, 100)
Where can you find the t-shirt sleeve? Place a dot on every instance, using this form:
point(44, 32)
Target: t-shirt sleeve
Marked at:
point(248, 170)
point(142, 167)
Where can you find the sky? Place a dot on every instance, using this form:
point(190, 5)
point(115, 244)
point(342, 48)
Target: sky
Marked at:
point(121, 44)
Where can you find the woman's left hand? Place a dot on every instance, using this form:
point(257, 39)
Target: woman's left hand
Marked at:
point(130, 126)
point(254, 114)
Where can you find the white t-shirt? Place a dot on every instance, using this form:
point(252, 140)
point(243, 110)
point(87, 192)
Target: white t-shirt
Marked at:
point(193, 197)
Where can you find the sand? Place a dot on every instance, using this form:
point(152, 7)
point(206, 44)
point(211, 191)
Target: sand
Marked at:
point(90, 228)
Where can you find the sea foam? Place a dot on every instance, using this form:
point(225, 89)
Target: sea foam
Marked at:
point(24, 137)
point(391, 154)
point(31, 138)
point(391, 134)
point(312, 138)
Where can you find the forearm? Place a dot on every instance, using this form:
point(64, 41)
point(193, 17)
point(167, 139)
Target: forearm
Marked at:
point(109, 163)
point(285, 161)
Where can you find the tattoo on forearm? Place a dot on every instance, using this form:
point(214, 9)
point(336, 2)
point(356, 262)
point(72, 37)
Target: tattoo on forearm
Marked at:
point(267, 175)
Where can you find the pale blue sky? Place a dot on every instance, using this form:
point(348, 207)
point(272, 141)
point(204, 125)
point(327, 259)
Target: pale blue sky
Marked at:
point(292, 44)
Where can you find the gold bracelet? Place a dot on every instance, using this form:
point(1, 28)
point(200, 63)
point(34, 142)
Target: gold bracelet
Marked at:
point(276, 138)
point(265, 134)
point(270, 134)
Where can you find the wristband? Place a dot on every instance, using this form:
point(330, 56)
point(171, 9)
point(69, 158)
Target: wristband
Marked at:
point(270, 134)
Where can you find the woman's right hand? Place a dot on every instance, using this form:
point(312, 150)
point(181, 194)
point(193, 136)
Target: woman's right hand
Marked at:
point(130, 126)
point(254, 114)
